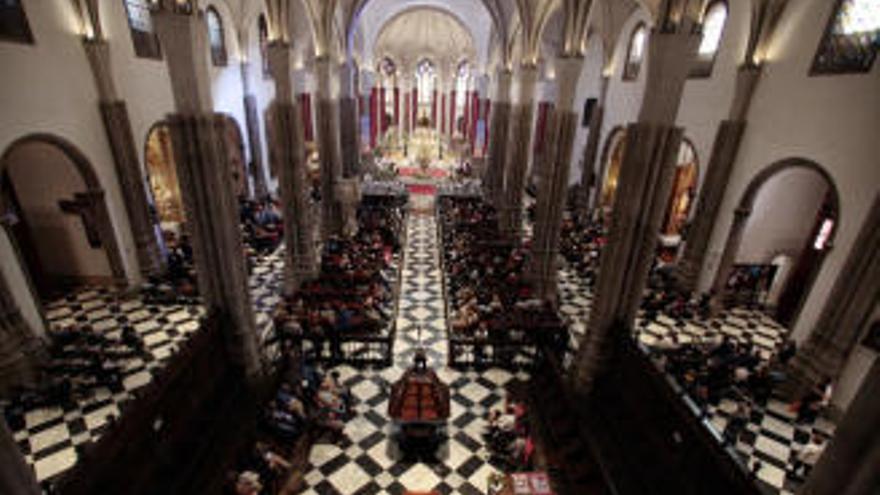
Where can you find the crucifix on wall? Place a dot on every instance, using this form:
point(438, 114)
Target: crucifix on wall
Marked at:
point(83, 205)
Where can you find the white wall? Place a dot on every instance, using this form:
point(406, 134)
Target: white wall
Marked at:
point(51, 91)
point(783, 215)
point(589, 85)
point(831, 120)
point(261, 86)
point(142, 83)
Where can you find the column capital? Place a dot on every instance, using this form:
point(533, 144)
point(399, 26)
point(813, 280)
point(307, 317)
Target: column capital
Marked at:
point(280, 55)
point(568, 73)
point(184, 39)
point(98, 52)
point(747, 77)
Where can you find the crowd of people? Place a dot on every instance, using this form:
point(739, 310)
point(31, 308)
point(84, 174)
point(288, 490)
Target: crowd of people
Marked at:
point(580, 241)
point(78, 361)
point(309, 406)
point(178, 283)
point(262, 231)
point(262, 227)
point(508, 436)
point(486, 282)
point(354, 294)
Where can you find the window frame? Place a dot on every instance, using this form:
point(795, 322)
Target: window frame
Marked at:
point(818, 69)
point(703, 67)
point(26, 36)
point(145, 43)
point(631, 71)
point(219, 55)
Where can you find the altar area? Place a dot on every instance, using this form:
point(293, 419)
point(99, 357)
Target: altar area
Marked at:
point(425, 155)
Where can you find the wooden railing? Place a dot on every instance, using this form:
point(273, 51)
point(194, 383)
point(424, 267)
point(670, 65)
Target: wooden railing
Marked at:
point(166, 436)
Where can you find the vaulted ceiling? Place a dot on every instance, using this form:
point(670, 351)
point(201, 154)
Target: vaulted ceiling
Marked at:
point(425, 33)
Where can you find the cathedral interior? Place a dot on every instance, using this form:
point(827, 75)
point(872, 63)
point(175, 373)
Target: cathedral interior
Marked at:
point(440, 247)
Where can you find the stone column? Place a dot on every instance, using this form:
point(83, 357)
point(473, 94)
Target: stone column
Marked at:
point(117, 126)
point(561, 125)
point(728, 257)
point(328, 144)
point(22, 350)
point(646, 177)
point(252, 123)
point(498, 129)
point(589, 179)
point(15, 475)
point(206, 183)
point(517, 155)
point(849, 465)
point(847, 309)
point(288, 146)
point(724, 153)
point(348, 121)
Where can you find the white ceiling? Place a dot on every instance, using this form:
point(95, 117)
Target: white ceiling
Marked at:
point(425, 33)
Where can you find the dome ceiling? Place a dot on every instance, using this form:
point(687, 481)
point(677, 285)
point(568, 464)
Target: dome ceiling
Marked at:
point(425, 33)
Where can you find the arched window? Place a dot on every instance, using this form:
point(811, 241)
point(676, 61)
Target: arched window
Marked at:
point(851, 39)
point(216, 37)
point(146, 43)
point(713, 28)
point(461, 88)
point(425, 81)
point(263, 30)
point(635, 52)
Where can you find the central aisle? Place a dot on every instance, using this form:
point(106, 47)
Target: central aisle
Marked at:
point(368, 462)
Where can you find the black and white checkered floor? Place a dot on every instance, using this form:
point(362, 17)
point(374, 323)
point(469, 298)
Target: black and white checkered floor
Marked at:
point(772, 436)
point(48, 436)
point(369, 462)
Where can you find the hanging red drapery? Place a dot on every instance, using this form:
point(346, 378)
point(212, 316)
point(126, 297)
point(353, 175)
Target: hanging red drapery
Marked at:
point(305, 107)
point(374, 127)
point(415, 107)
point(475, 116)
point(397, 106)
point(434, 109)
point(443, 113)
point(452, 123)
point(486, 118)
point(383, 122)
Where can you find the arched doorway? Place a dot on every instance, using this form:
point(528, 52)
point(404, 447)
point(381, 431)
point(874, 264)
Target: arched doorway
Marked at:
point(681, 198)
point(55, 212)
point(789, 211)
point(235, 154)
point(612, 159)
point(162, 177)
point(684, 189)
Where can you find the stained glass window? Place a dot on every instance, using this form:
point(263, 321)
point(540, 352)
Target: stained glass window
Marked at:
point(461, 88)
point(713, 28)
point(635, 53)
point(425, 78)
point(216, 37)
point(146, 43)
point(13, 22)
point(851, 39)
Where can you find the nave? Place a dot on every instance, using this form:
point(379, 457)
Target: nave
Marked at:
point(439, 246)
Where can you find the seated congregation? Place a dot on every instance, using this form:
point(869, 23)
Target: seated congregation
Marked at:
point(496, 320)
point(346, 314)
point(309, 406)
